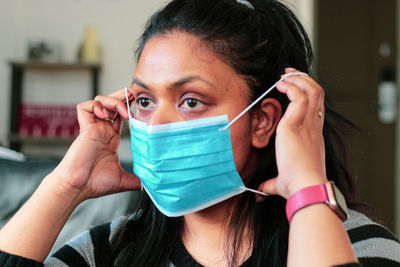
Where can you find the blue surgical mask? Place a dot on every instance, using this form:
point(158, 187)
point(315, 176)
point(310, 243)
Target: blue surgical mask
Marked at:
point(187, 166)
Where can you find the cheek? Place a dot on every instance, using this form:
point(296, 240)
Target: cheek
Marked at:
point(241, 145)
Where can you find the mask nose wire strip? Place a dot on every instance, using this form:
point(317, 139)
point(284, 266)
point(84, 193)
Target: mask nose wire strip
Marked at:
point(261, 97)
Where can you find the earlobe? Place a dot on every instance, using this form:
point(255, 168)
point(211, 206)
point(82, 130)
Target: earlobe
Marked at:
point(264, 122)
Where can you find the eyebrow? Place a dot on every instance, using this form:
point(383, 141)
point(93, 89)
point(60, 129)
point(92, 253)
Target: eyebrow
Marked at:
point(177, 84)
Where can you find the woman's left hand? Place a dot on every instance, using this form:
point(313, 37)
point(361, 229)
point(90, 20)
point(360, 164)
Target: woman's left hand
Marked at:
point(300, 150)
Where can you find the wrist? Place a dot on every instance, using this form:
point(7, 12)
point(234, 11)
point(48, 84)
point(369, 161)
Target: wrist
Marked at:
point(326, 193)
point(62, 192)
point(296, 186)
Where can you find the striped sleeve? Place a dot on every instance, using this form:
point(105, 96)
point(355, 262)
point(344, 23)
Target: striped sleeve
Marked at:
point(7, 259)
point(91, 248)
point(373, 244)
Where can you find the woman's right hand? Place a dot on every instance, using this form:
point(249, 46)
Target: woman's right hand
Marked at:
point(91, 167)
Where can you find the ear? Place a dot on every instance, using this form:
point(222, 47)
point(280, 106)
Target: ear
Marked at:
point(264, 121)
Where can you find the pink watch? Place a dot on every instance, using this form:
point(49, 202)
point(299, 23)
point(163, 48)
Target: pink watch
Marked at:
point(324, 193)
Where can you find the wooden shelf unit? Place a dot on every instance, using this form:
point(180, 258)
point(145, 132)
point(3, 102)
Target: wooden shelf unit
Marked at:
point(17, 75)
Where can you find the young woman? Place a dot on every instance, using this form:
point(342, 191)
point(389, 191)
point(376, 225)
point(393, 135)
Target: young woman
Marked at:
point(200, 59)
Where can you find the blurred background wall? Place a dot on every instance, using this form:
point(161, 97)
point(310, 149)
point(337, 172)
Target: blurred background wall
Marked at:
point(118, 23)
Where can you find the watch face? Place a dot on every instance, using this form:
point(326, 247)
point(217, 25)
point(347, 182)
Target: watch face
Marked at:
point(336, 200)
point(340, 201)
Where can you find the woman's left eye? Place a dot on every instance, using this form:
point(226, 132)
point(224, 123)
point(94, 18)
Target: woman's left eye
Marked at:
point(192, 103)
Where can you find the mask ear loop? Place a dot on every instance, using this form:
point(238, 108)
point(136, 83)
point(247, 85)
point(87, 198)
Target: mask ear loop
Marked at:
point(130, 121)
point(261, 97)
point(252, 105)
point(127, 105)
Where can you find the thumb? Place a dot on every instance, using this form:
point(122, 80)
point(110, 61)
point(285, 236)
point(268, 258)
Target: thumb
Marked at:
point(268, 187)
point(129, 181)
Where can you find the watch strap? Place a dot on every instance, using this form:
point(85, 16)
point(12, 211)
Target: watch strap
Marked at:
point(306, 197)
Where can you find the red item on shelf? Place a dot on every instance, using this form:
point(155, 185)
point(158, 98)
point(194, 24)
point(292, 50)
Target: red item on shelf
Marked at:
point(47, 121)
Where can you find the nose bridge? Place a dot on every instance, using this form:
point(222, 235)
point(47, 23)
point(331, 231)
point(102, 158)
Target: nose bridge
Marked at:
point(164, 113)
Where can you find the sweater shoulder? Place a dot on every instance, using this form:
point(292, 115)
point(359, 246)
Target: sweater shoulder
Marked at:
point(373, 244)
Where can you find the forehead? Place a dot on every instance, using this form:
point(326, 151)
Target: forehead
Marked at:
point(176, 45)
point(170, 56)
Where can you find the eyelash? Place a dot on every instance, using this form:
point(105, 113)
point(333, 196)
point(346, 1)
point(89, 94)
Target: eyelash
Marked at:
point(141, 100)
point(198, 102)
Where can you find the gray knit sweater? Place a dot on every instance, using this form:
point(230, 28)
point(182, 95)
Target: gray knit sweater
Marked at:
point(373, 245)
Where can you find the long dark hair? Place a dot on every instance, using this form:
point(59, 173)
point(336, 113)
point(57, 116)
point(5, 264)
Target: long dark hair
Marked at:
point(258, 42)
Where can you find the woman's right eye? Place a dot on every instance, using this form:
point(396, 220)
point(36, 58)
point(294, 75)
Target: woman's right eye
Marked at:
point(145, 103)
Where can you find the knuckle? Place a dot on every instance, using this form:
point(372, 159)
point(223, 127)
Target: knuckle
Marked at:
point(322, 93)
point(81, 105)
point(97, 105)
point(303, 99)
point(319, 92)
point(315, 95)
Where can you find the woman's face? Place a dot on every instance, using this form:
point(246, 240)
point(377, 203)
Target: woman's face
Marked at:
point(178, 78)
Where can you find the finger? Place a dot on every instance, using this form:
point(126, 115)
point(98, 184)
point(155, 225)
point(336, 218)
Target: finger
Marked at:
point(89, 110)
point(84, 112)
point(115, 119)
point(117, 124)
point(308, 85)
point(100, 111)
point(297, 108)
point(306, 77)
point(268, 187)
point(315, 95)
point(305, 82)
point(320, 113)
point(120, 94)
point(115, 105)
point(92, 111)
point(290, 69)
